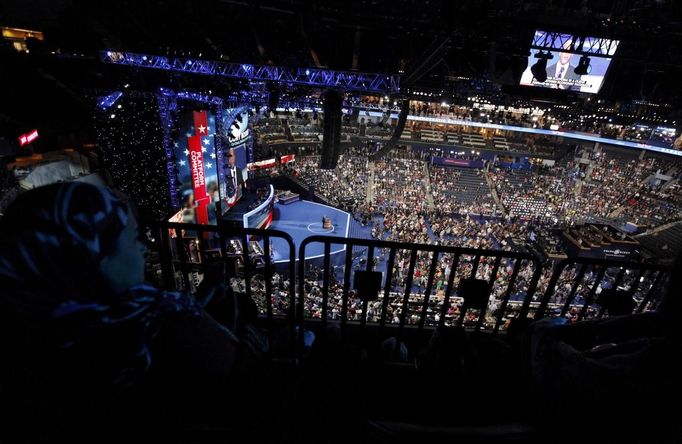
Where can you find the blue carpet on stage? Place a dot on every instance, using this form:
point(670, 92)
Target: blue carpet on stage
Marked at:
point(303, 219)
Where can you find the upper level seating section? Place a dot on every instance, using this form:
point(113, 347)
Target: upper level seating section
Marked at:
point(461, 190)
point(475, 140)
point(431, 135)
point(303, 129)
point(350, 129)
point(269, 130)
point(501, 143)
point(378, 131)
point(305, 133)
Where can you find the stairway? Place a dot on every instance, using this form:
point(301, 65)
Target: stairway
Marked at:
point(427, 183)
point(493, 192)
point(370, 183)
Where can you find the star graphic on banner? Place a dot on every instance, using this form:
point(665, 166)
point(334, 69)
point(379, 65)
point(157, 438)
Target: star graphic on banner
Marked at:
point(182, 163)
point(207, 141)
point(186, 152)
point(203, 149)
point(202, 129)
point(212, 155)
point(188, 134)
point(175, 144)
point(209, 165)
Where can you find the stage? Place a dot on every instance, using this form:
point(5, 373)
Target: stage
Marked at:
point(303, 219)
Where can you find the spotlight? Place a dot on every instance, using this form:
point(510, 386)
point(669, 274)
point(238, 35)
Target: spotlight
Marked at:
point(539, 69)
point(583, 67)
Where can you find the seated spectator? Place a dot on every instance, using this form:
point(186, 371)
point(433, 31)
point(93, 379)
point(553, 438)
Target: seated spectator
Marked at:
point(90, 350)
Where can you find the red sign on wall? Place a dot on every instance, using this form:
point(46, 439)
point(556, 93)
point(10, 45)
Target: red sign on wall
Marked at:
point(27, 138)
point(288, 158)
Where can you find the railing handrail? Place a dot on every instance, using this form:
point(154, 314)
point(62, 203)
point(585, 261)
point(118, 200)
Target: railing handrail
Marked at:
point(421, 247)
point(165, 249)
point(521, 287)
point(414, 248)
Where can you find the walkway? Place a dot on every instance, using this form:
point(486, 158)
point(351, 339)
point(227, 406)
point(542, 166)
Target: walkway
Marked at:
point(427, 182)
point(370, 183)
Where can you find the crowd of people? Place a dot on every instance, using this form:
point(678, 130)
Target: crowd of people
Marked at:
point(399, 182)
point(452, 195)
point(611, 187)
point(416, 202)
point(344, 187)
point(563, 194)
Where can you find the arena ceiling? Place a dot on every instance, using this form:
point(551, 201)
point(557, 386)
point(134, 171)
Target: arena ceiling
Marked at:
point(434, 44)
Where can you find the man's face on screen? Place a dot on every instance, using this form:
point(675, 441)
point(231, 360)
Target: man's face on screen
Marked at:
point(231, 158)
point(564, 57)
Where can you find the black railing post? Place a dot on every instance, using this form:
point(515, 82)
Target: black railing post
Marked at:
point(593, 291)
point(429, 287)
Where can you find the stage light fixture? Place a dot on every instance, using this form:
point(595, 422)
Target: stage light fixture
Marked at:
point(539, 69)
point(583, 67)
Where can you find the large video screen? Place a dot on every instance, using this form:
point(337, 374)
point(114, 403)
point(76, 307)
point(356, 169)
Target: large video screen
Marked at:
point(238, 135)
point(560, 68)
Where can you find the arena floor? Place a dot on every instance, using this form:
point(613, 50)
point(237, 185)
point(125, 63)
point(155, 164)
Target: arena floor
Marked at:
point(303, 219)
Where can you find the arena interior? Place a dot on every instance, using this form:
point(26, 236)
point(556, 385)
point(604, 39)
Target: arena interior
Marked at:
point(402, 197)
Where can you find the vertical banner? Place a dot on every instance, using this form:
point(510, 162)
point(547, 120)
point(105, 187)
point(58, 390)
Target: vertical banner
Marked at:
point(200, 123)
point(196, 158)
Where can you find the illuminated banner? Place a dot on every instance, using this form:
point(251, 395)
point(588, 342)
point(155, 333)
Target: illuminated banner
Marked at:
point(196, 159)
point(288, 158)
point(269, 163)
point(27, 138)
point(200, 123)
point(463, 163)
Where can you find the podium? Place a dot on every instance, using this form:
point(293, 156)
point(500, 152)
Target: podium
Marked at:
point(326, 223)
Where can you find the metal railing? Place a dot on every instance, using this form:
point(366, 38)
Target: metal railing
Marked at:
point(597, 287)
point(378, 284)
point(464, 278)
point(186, 251)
